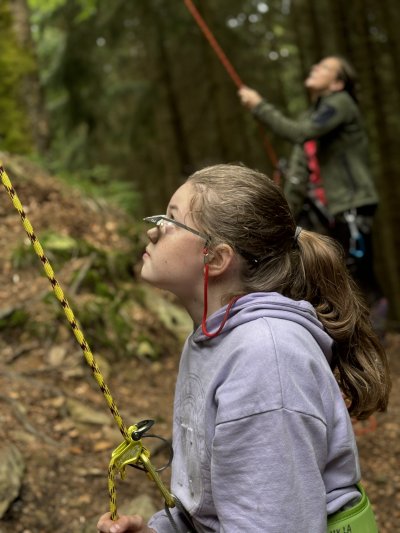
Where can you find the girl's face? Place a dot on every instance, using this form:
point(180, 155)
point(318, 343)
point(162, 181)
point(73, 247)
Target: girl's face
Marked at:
point(174, 257)
point(323, 77)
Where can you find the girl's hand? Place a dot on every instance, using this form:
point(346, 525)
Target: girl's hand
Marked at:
point(124, 524)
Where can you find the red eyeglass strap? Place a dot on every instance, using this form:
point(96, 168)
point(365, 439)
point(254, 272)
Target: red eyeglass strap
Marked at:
point(229, 307)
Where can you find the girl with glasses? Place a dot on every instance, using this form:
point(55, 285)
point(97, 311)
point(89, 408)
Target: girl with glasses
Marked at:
point(281, 355)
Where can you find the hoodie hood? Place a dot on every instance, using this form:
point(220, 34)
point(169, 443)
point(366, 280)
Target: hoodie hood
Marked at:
point(269, 305)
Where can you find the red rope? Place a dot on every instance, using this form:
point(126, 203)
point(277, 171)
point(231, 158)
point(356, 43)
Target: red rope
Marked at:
point(232, 73)
point(214, 44)
point(205, 308)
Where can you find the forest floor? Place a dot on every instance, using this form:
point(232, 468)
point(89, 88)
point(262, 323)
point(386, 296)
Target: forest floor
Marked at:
point(52, 410)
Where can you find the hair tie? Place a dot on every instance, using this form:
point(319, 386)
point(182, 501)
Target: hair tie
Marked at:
point(297, 233)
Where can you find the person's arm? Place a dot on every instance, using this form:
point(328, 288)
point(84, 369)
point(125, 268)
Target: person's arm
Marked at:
point(333, 110)
point(158, 523)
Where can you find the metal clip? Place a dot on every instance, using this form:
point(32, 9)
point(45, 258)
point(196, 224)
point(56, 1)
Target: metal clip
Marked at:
point(126, 453)
point(133, 452)
point(356, 248)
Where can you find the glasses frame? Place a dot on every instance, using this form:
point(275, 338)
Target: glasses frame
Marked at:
point(157, 220)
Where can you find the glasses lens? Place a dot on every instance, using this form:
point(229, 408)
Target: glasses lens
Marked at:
point(162, 221)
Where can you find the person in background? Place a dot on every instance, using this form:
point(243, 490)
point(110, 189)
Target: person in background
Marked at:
point(328, 183)
point(282, 353)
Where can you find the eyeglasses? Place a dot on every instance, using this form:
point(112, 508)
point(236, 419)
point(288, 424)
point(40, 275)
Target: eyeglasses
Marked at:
point(162, 220)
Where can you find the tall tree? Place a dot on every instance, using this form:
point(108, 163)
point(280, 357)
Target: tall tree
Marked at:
point(15, 64)
point(30, 89)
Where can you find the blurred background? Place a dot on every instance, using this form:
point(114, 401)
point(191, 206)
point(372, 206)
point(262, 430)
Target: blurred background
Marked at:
point(106, 107)
point(129, 98)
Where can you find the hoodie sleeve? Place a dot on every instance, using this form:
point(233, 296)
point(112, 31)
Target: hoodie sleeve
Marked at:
point(266, 473)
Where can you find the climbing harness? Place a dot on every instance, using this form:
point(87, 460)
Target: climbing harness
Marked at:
point(356, 247)
point(131, 451)
point(234, 77)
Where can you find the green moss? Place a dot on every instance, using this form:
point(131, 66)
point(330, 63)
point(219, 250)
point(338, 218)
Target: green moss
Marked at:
point(58, 249)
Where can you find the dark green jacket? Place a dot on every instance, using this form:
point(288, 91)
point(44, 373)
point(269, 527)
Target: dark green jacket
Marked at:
point(342, 150)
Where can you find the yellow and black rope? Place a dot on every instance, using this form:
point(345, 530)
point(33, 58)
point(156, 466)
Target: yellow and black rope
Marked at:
point(130, 451)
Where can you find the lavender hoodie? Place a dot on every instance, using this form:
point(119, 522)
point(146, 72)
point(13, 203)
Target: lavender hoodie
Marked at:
point(262, 438)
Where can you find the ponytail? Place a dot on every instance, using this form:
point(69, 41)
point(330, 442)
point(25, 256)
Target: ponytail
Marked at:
point(248, 211)
point(359, 360)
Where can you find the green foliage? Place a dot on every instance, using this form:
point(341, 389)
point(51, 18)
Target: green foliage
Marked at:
point(88, 9)
point(86, 100)
point(101, 297)
point(43, 8)
point(58, 249)
point(106, 321)
point(16, 319)
point(15, 63)
point(23, 256)
point(107, 268)
point(99, 183)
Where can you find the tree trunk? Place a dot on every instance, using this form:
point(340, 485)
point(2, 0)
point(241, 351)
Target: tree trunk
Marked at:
point(31, 93)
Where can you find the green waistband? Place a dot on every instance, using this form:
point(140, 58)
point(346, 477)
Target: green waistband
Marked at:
point(358, 519)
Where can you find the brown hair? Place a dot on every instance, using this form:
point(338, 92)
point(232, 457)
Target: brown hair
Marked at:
point(348, 76)
point(245, 209)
